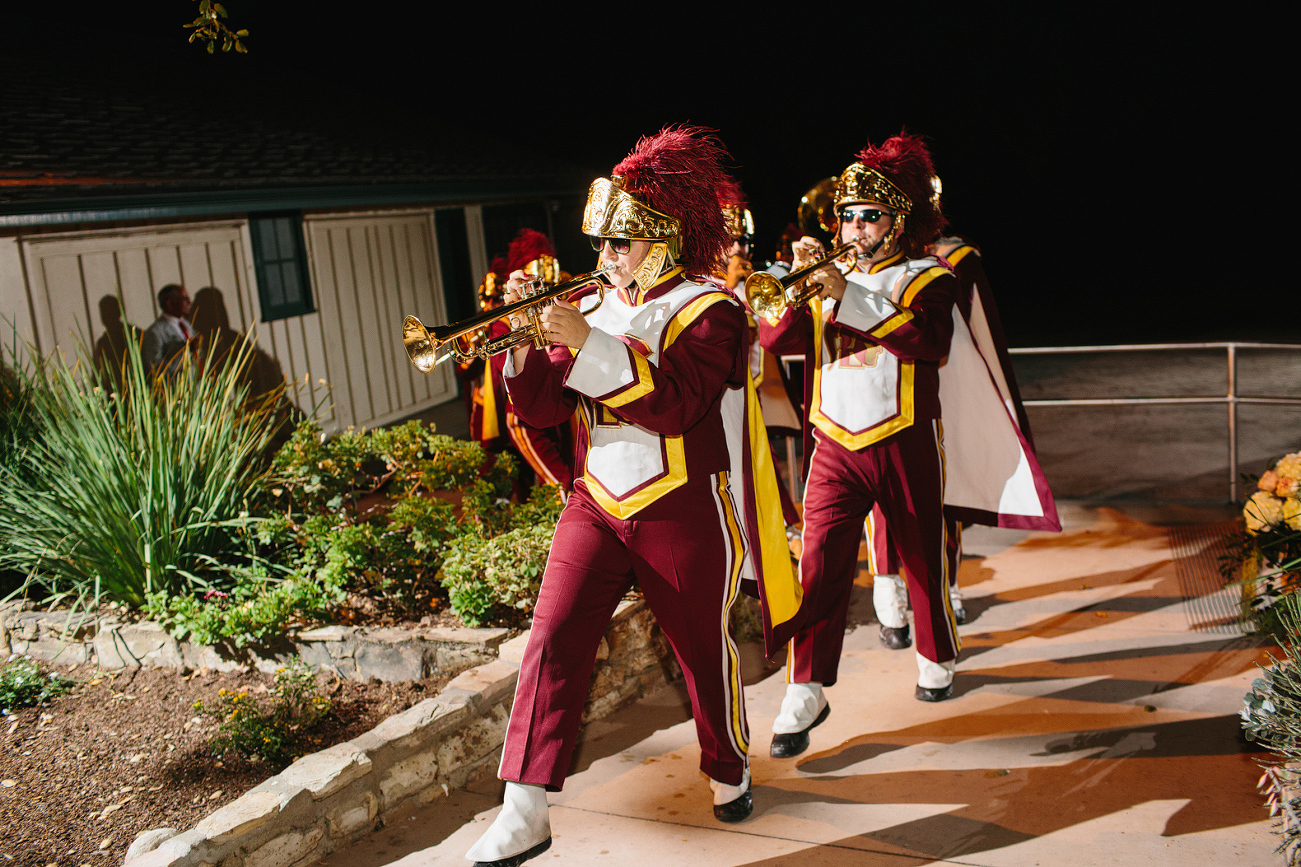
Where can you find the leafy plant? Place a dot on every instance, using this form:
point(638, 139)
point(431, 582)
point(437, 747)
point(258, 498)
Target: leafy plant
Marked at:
point(209, 28)
point(275, 734)
point(23, 685)
point(369, 510)
point(496, 581)
point(135, 489)
point(1271, 716)
point(257, 608)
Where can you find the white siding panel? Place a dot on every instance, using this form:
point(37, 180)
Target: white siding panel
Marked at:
point(165, 265)
point(16, 325)
point(138, 292)
point(369, 272)
point(65, 303)
point(316, 390)
point(195, 273)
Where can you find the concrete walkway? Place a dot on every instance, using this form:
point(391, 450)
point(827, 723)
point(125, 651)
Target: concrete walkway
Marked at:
point(1090, 725)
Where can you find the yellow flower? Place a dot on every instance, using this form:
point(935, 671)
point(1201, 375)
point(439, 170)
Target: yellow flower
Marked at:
point(1262, 511)
point(1292, 513)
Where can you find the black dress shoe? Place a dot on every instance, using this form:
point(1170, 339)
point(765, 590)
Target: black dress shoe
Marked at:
point(735, 810)
point(516, 860)
point(939, 693)
point(960, 616)
point(785, 746)
point(896, 639)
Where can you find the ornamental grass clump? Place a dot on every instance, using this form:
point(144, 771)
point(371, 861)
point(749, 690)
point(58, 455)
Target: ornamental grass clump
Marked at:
point(136, 484)
point(1271, 716)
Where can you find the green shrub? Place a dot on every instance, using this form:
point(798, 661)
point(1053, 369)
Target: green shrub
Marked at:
point(275, 734)
point(358, 510)
point(137, 488)
point(495, 581)
point(256, 609)
point(23, 685)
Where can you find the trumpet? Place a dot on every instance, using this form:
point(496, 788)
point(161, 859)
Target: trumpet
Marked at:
point(468, 339)
point(769, 296)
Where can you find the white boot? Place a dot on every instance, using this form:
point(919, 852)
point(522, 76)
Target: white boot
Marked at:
point(934, 679)
point(800, 707)
point(890, 598)
point(725, 794)
point(522, 825)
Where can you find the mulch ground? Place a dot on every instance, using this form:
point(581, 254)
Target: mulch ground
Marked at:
point(126, 752)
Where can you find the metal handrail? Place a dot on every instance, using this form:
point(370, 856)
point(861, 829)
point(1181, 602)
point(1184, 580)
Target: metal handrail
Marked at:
point(1231, 400)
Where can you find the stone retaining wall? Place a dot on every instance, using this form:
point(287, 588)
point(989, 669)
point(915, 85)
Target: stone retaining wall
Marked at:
point(332, 798)
point(354, 653)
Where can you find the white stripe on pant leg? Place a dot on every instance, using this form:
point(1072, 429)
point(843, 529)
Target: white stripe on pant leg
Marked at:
point(738, 730)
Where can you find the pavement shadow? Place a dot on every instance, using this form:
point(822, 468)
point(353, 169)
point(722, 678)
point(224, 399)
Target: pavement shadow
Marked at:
point(1119, 769)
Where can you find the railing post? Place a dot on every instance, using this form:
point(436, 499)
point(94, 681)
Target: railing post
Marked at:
point(1233, 421)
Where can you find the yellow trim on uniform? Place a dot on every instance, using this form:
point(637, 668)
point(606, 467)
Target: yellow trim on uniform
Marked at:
point(674, 478)
point(689, 313)
point(903, 317)
point(886, 262)
point(960, 252)
point(848, 439)
point(490, 429)
point(781, 587)
point(675, 475)
point(642, 387)
point(641, 292)
point(735, 687)
point(920, 282)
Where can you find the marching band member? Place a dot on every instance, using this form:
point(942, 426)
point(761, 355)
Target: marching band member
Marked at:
point(873, 341)
point(671, 463)
point(780, 416)
point(549, 452)
point(979, 320)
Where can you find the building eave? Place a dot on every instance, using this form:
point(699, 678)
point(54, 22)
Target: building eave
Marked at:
point(169, 205)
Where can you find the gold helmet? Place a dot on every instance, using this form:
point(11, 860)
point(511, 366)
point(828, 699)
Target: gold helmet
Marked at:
point(664, 192)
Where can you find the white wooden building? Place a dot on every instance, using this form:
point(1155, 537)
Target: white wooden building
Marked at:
point(308, 219)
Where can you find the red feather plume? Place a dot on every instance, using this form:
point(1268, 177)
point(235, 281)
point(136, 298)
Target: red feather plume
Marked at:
point(906, 161)
point(678, 171)
point(528, 245)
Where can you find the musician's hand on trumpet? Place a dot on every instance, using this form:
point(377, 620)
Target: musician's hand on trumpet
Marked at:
point(561, 322)
point(829, 278)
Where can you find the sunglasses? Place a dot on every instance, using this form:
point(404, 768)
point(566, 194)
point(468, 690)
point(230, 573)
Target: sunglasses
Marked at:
point(867, 215)
point(618, 245)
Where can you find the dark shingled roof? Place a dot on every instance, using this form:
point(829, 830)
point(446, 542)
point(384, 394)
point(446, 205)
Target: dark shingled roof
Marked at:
point(83, 137)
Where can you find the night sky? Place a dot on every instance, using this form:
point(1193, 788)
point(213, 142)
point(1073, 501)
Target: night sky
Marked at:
point(1117, 168)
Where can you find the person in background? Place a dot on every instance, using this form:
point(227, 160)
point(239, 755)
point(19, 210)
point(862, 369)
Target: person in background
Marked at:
point(165, 341)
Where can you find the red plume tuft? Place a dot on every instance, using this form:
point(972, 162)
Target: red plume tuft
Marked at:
point(678, 171)
point(500, 268)
point(906, 161)
point(730, 194)
point(528, 245)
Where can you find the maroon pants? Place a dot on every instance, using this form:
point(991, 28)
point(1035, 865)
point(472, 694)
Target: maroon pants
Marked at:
point(884, 560)
point(684, 550)
point(904, 474)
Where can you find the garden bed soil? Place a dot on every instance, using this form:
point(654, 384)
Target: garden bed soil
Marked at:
point(126, 752)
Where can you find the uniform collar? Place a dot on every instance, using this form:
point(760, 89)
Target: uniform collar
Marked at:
point(893, 259)
point(634, 295)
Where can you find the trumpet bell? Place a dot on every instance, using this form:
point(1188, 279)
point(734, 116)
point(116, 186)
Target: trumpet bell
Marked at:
point(765, 295)
point(421, 348)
